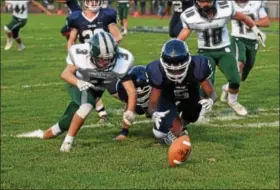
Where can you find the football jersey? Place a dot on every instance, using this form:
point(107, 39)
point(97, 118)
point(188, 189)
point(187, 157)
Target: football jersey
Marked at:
point(255, 10)
point(212, 34)
point(86, 26)
point(181, 5)
point(79, 55)
point(198, 71)
point(20, 8)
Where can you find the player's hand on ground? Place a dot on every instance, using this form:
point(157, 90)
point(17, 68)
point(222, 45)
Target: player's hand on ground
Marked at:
point(207, 103)
point(128, 117)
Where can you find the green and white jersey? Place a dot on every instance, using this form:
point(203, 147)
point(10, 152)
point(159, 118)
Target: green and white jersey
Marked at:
point(123, 1)
point(212, 34)
point(79, 55)
point(255, 10)
point(20, 8)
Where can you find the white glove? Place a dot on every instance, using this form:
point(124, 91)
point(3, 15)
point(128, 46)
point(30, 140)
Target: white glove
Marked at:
point(207, 103)
point(128, 117)
point(83, 85)
point(156, 117)
point(261, 37)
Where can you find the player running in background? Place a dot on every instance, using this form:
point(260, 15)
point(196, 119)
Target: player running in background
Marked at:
point(175, 24)
point(209, 19)
point(19, 20)
point(123, 9)
point(243, 40)
point(175, 80)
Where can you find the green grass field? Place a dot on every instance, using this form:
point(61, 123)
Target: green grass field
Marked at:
point(229, 152)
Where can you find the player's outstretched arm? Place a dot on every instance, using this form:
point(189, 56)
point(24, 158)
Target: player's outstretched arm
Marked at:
point(68, 74)
point(184, 34)
point(72, 37)
point(114, 30)
point(40, 6)
point(153, 100)
point(244, 18)
point(208, 88)
point(132, 96)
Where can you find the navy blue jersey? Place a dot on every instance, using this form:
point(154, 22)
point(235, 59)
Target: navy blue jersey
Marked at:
point(123, 97)
point(73, 5)
point(198, 71)
point(86, 27)
point(180, 5)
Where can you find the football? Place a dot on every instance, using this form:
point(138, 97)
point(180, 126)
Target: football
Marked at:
point(179, 151)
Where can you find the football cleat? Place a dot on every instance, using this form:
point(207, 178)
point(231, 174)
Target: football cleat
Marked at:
point(21, 47)
point(9, 44)
point(238, 108)
point(224, 94)
point(66, 147)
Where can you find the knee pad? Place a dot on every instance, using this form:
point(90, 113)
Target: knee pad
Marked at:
point(234, 86)
point(84, 110)
point(7, 29)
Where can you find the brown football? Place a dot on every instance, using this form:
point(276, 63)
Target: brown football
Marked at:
point(179, 151)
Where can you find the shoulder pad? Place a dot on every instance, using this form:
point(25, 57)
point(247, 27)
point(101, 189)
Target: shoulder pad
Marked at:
point(124, 62)
point(223, 4)
point(155, 74)
point(74, 15)
point(78, 50)
point(189, 12)
point(202, 68)
point(109, 11)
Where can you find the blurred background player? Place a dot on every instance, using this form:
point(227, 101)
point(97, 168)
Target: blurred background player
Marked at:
point(243, 40)
point(123, 9)
point(175, 97)
point(82, 25)
point(209, 19)
point(19, 20)
point(175, 24)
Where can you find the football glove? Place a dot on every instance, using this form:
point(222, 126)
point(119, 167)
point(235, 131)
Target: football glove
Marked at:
point(207, 103)
point(83, 85)
point(128, 117)
point(156, 117)
point(261, 37)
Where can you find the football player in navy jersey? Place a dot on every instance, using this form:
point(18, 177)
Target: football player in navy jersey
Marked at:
point(83, 23)
point(73, 5)
point(175, 80)
point(175, 24)
point(140, 80)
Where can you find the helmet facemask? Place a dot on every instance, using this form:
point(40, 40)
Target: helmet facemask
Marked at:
point(93, 5)
point(104, 51)
point(175, 62)
point(207, 11)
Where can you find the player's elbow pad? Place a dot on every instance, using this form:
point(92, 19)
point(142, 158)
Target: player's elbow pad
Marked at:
point(84, 110)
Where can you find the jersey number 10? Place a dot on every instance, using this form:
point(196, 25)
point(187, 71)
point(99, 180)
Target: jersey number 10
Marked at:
point(214, 34)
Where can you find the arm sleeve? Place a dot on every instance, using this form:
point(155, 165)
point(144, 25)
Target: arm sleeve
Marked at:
point(112, 17)
point(70, 58)
point(262, 13)
point(154, 75)
point(233, 11)
point(184, 20)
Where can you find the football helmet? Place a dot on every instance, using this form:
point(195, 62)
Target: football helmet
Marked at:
point(206, 8)
point(175, 59)
point(93, 5)
point(103, 51)
point(141, 83)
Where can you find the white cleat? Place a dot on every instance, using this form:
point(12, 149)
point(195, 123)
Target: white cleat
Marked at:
point(8, 44)
point(66, 147)
point(21, 47)
point(33, 134)
point(224, 96)
point(238, 108)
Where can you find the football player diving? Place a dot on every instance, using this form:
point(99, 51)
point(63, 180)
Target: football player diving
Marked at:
point(209, 19)
point(175, 24)
point(243, 40)
point(84, 23)
point(90, 68)
point(175, 95)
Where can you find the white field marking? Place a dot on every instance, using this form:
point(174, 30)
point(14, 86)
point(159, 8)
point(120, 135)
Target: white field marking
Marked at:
point(115, 124)
point(274, 124)
point(33, 60)
point(40, 46)
point(43, 84)
point(267, 67)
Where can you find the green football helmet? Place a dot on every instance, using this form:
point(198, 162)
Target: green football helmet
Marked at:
point(103, 51)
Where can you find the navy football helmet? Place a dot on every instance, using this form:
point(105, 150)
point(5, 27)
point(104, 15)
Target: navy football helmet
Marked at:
point(207, 10)
point(93, 5)
point(141, 83)
point(175, 59)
